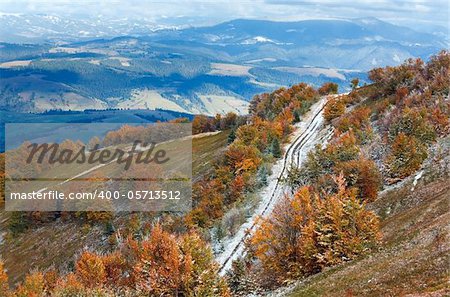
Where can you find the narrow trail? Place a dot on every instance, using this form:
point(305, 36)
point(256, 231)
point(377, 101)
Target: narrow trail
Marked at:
point(306, 139)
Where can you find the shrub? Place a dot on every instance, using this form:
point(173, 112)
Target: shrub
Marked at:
point(328, 88)
point(362, 174)
point(4, 287)
point(33, 286)
point(90, 270)
point(306, 233)
point(334, 109)
point(407, 155)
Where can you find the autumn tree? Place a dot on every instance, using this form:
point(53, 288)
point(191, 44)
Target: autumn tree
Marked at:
point(202, 123)
point(4, 286)
point(334, 108)
point(406, 156)
point(354, 83)
point(228, 121)
point(362, 174)
point(50, 279)
point(412, 122)
point(70, 286)
point(306, 233)
point(158, 269)
point(242, 158)
point(208, 199)
point(328, 88)
point(358, 120)
point(171, 266)
point(90, 270)
point(33, 286)
point(203, 279)
point(441, 120)
point(115, 269)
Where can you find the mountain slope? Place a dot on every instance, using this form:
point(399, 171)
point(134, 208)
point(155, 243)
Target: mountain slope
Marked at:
point(414, 256)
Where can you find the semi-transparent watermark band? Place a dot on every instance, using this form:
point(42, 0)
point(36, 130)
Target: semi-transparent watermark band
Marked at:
point(98, 167)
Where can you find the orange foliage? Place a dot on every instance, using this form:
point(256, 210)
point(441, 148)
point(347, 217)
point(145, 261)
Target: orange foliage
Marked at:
point(69, 286)
point(114, 266)
point(208, 200)
point(201, 124)
point(165, 265)
point(362, 174)
point(33, 286)
point(306, 233)
point(50, 279)
point(158, 268)
point(90, 270)
point(440, 121)
point(242, 158)
point(328, 88)
point(237, 186)
point(334, 109)
point(4, 287)
point(357, 120)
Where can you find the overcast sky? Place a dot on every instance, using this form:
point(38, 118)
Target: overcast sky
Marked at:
point(415, 13)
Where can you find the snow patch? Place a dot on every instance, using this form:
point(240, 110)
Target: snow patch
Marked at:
point(149, 99)
point(416, 179)
point(229, 69)
point(396, 58)
point(18, 63)
point(222, 104)
point(313, 71)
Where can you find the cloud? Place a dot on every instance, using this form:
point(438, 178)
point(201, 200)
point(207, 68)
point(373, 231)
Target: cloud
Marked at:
point(409, 12)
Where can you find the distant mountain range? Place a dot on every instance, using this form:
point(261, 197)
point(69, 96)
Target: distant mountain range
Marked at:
point(50, 62)
point(38, 28)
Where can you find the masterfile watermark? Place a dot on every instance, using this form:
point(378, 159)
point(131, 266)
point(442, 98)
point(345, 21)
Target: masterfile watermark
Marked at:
point(98, 167)
point(144, 153)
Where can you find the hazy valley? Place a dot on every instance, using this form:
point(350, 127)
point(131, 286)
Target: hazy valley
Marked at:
point(206, 70)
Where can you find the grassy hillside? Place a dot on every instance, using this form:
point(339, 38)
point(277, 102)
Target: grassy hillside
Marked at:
point(58, 244)
point(391, 146)
point(413, 257)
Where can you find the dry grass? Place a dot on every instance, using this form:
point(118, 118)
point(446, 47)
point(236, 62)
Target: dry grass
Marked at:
point(57, 244)
point(413, 258)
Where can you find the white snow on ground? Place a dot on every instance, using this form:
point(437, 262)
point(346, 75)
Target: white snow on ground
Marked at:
point(223, 104)
point(416, 179)
point(258, 39)
point(123, 61)
point(313, 71)
point(304, 138)
point(149, 99)
point(262, 60)
point(18, 63)
point(229, 69)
